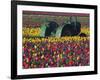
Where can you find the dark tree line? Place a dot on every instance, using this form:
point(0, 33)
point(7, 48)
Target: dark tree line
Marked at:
point(72, 28)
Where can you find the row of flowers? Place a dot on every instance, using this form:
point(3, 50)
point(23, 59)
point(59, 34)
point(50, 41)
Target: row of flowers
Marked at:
point(55, 39)
point(31, 31)
point(37, 31)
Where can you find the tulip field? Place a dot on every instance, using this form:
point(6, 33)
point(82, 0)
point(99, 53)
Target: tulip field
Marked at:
point(44, 52)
